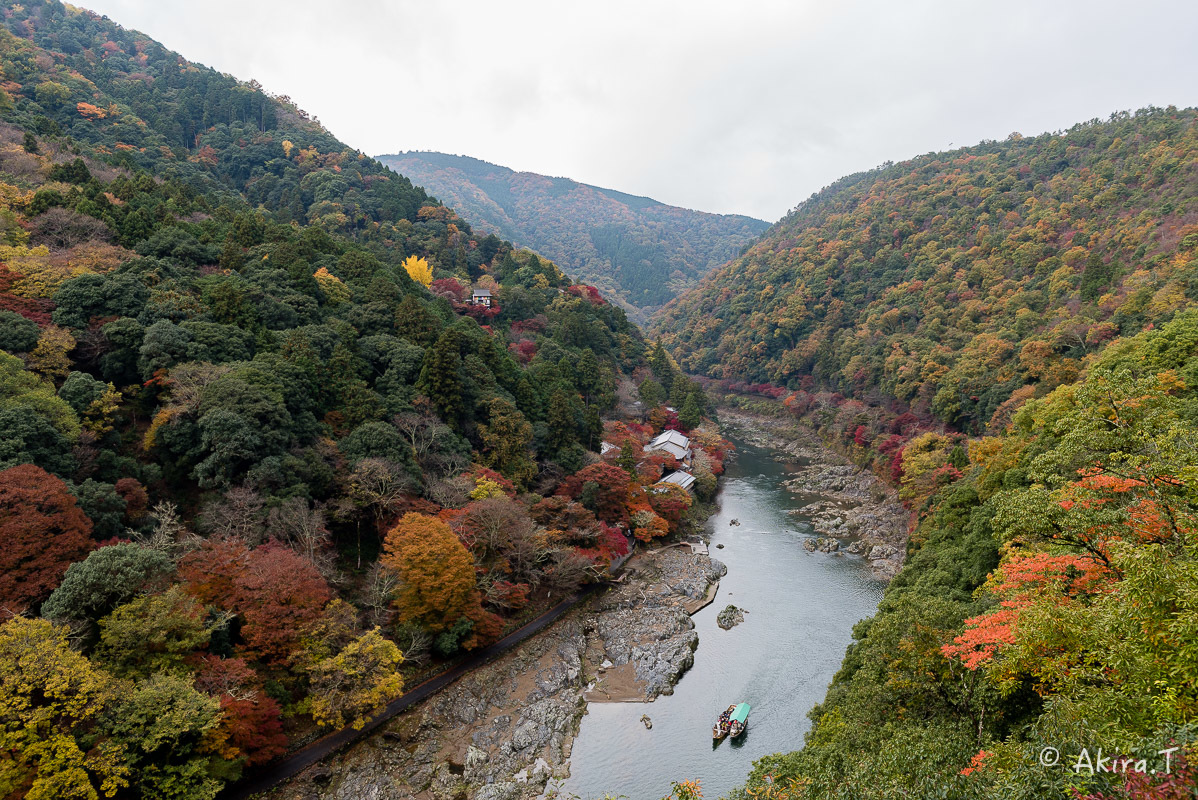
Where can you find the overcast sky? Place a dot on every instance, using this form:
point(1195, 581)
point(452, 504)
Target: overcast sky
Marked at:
point(744, 107)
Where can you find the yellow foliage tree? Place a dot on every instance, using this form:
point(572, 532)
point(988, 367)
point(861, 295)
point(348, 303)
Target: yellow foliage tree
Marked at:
point(418, 270)
point(333, 287)
point(43, 272)
point(98, 417)
point(95, 257)
point(485, 489)
point(20, 387)
point(49, 357)
point(356, 683)
point(922, 456)
point(14, 196)
point(34, 264)
point(49, 698)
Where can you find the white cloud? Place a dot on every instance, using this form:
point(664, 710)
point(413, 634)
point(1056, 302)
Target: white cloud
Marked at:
point(733, 107)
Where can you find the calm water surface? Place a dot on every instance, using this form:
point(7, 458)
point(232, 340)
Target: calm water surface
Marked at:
point(802, 607)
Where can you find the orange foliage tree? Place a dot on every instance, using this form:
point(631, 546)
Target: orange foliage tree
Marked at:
point(436, 572)
point(1020, 582)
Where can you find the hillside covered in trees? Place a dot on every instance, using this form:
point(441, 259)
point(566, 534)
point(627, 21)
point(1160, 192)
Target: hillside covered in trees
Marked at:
point(1009, 334)
point(263, 456)
point(641, 252)
point(1046, 601)
point(952, 282)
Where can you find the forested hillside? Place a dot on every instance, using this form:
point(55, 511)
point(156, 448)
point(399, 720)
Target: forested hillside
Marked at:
point(952, 282)
point(1045, 618)
point(637, 250)
point(262, 457)
point(1009, 334)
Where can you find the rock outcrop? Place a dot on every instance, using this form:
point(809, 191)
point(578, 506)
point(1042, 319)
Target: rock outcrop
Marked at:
point(850, 509)
point(505, 731)
point(730, 617)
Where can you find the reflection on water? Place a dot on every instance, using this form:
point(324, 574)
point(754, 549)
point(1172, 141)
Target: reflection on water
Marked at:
point(801, 610)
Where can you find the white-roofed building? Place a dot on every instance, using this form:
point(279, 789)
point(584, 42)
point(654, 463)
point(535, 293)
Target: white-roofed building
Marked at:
point(481, 297)
point(680, 478)
point(671, 442)
point(606, 447)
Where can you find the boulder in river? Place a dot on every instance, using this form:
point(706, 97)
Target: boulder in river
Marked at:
point(730, 617)
point(824, 544)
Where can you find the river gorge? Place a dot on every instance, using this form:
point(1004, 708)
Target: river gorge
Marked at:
point(619, 696)
point(800, 609)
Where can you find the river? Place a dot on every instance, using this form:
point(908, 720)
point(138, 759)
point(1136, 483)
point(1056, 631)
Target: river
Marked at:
point(801, 610)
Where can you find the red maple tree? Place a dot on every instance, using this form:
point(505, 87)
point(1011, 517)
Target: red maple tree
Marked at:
point(611, 486)
point(276, 592)
point(42, 532)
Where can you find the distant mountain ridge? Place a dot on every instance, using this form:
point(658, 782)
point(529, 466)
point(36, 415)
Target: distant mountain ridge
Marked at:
point(633, 248)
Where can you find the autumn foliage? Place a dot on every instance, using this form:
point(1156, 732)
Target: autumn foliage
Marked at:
point(250, 719)
point(274, 591)
point(42, 532)
point(605, 487)
point(1020, 582)
point(418, 270)
point(239, 381)
point(670, 502)
point(436, 574)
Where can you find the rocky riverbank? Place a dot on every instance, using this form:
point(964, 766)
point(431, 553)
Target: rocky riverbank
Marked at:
point(505, 731)
point(851, 510)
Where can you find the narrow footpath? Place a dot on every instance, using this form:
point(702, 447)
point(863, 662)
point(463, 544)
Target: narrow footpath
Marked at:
point(265, 778)
point(504, 729)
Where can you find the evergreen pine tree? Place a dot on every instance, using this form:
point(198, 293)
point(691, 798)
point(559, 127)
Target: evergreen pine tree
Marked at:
point(594, 428)
point(659, 362)
point(562, 426)
point(691, 414)
point(627, 459)
point(1096, 277)
point(414, 322)
point(586, 374)
point(441, 381)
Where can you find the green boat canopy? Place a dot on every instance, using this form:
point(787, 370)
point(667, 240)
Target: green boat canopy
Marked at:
point(741, 713)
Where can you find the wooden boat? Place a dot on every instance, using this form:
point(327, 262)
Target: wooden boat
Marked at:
point(723, 724)
point(740, 721)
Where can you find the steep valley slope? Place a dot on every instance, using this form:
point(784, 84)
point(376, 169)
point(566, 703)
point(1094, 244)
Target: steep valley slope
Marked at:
point(635, 249)
point(1009, 334)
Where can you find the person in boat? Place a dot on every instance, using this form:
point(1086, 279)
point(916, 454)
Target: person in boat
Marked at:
point(726, 718)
